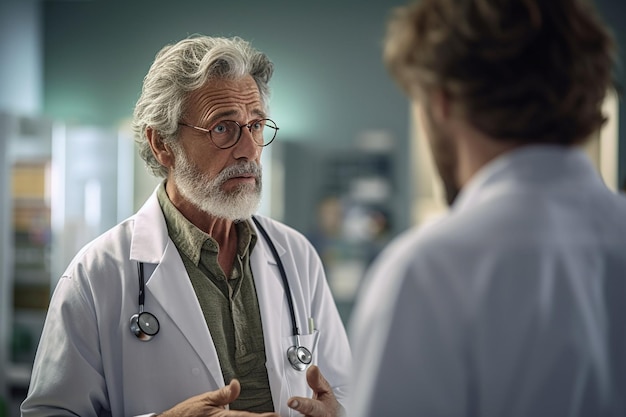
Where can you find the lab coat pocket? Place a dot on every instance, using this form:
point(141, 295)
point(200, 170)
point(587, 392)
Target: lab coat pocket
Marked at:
point(296, 375)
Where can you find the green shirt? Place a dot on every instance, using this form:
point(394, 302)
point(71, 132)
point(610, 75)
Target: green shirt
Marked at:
point(229, 304)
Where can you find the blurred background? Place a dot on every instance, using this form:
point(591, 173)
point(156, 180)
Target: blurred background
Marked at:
point(348, 168)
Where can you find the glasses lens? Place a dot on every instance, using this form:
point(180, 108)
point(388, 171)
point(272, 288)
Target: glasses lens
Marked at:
point(263, 131)
point(225, 133)
point(269, 129)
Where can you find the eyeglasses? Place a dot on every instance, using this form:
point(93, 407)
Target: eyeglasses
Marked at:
point(226, 133)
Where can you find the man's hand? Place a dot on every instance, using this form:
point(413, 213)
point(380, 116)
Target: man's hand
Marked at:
point(323, 403)
point(212, 404)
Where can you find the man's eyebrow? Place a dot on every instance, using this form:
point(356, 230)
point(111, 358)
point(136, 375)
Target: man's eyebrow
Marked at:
point(221, 115)
point(260, 113)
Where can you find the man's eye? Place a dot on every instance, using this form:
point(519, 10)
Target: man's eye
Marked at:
point(258, 125)
point(221, 128)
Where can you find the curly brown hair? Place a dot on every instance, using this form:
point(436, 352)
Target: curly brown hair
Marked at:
point(522, 70)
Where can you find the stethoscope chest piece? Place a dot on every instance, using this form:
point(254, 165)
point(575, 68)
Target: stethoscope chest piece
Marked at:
point(144, 325)
point(299, 356)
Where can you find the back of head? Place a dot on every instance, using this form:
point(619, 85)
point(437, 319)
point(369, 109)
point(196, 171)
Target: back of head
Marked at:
point(530, 71)
point(183, 67)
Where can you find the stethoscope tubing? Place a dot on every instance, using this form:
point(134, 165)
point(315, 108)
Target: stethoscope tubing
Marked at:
point(283, 274)
point(299, 356)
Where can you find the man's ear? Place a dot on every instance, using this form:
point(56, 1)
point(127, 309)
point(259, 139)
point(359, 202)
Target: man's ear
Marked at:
point(160, 150)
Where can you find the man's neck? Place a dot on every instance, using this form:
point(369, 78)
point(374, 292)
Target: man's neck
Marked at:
point(220, 229)
point(475, 150)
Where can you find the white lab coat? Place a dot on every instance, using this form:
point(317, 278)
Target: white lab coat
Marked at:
point(89, 364)
point(513, 304)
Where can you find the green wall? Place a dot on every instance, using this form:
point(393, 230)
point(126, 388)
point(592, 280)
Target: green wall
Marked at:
point(329, 83)
point(329, 86)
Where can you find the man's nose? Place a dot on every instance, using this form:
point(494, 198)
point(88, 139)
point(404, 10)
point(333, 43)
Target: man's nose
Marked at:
point(247, 147)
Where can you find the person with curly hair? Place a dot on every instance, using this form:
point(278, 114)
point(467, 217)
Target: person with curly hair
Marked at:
point(511, 304)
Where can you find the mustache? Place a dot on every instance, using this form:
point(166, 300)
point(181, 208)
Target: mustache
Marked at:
point(245, 168)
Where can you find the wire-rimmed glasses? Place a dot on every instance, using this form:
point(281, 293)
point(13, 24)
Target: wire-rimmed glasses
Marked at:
point(226, 133)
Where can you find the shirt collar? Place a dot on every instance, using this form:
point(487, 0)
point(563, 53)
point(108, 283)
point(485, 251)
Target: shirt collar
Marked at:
point(530, 164)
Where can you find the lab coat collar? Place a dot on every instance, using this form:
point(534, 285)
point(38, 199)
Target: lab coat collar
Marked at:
point(150, 232)
point(531, 164)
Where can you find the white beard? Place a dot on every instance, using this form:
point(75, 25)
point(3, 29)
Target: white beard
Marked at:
point(207, 194)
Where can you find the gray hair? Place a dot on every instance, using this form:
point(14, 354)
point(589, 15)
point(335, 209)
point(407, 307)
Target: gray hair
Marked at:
point(184, 67)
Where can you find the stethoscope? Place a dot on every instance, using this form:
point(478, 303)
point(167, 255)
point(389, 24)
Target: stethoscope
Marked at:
point(145, 325)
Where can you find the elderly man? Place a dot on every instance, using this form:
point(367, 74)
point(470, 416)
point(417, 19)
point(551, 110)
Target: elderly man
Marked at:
point(194, 306)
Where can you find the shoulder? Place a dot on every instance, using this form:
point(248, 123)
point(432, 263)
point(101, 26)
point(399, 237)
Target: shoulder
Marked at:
point(432, 257)
point(104, 250)
point(98, 268)
point(422, 242)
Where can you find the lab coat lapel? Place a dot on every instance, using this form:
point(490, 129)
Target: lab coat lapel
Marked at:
point(271, 296)
point(170, 286)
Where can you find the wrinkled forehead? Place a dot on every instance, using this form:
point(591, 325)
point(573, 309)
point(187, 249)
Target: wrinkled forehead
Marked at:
point(240, 95)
